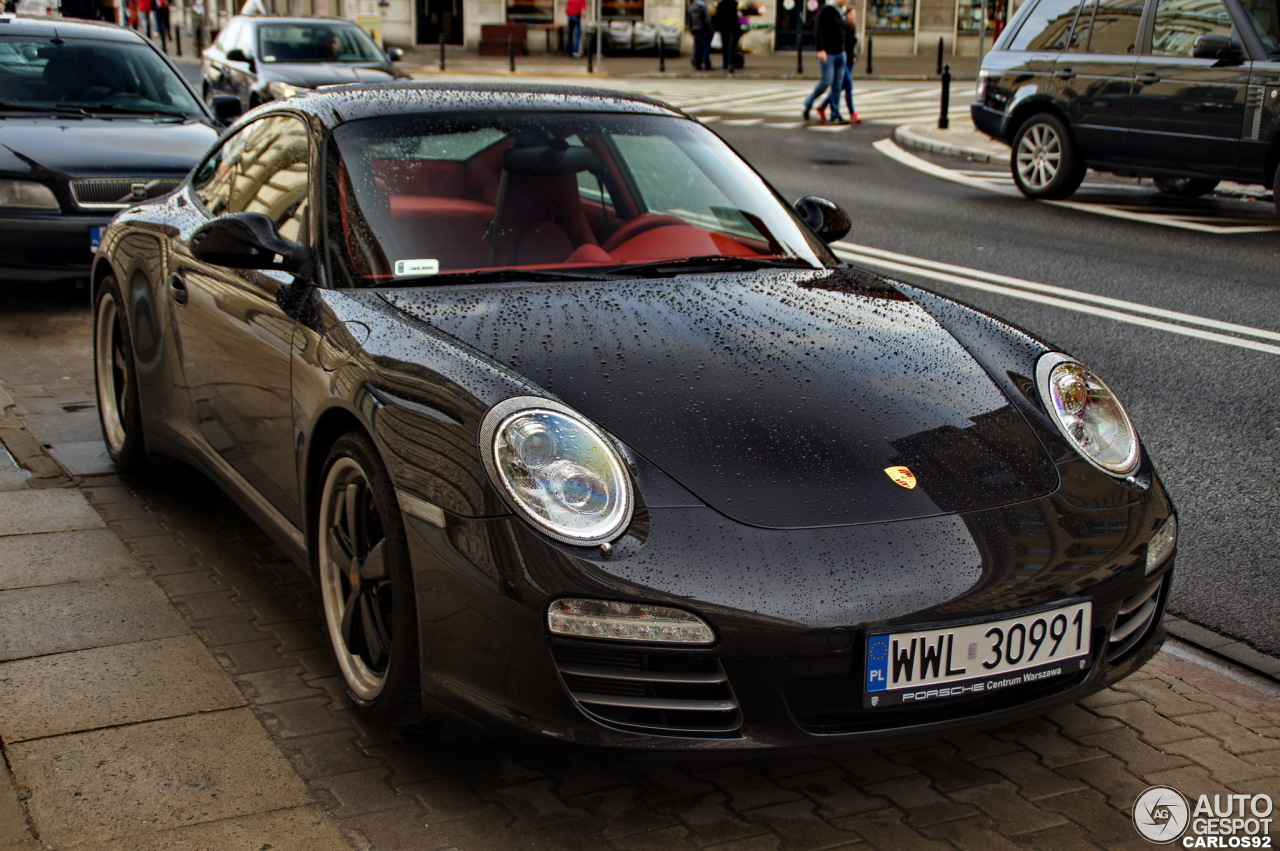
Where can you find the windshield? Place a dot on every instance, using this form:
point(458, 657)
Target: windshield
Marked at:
point(111, 76)
point(316, 42)
point(425, 199)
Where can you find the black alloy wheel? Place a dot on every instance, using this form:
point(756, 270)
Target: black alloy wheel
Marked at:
point(366, 584)
point(1044, 161)
point(116, 379)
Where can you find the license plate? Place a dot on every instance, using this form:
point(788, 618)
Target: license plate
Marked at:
point(977, 658)
point(95, 237)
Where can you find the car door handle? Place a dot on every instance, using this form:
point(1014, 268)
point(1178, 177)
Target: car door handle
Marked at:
point(1148, 78)
point(178, 289)
point(1065, 73)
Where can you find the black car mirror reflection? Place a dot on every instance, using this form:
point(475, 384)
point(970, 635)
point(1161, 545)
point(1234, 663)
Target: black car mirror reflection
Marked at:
point(825, 218)
point(236, 54)
point(247, 241)
point(226, 108)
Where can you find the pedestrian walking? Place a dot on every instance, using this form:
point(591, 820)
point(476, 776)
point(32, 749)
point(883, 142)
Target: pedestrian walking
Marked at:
point(729, 26)
point(698, 18)
point(573, 10)
point(828, 33)
point(146, 19)
point(161, 10)
point(850, 56)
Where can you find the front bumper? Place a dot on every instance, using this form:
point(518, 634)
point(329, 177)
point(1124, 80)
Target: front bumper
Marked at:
point(771, 682)
point(47, 247)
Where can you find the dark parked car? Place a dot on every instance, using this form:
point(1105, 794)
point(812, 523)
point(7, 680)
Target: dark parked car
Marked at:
point(1183, 91)
point(92, 118)
point(586, 434)
point(259, 59)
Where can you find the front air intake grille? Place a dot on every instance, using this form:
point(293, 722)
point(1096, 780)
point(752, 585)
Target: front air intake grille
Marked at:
point(1138, 616)
point(116, 193)
point(663, 694)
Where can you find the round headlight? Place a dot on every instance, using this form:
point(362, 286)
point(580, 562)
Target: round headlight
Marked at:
point(1088, 414)
point(557, 469)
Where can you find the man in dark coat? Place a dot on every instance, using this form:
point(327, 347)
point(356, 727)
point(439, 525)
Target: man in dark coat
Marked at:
point(699, 20)
point(730, 29)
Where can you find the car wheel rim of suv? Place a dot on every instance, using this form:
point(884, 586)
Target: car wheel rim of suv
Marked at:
point(1039, 156)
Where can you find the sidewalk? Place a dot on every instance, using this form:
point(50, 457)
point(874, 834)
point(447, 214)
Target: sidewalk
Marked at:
point(422, 62)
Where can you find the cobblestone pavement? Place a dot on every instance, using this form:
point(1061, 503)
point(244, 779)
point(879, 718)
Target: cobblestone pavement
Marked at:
point(1067, 780)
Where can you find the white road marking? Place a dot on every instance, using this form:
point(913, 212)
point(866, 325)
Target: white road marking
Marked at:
point(1001, 184)
point(1129, 312)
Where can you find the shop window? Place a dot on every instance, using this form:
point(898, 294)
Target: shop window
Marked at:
point(628, 10)
point(531, 11)
point(969, 17)
point(886, 16)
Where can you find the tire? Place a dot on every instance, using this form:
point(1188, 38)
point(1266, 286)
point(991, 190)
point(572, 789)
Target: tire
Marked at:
point(1275, 189)
point(115, 375)
point(1044, 161)
point(366, 585)
point(1185, 187)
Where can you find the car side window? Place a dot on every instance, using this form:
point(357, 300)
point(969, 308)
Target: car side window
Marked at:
point(1179, 22)
point(1047, 26)
point(261, 169)
point(1107, 26)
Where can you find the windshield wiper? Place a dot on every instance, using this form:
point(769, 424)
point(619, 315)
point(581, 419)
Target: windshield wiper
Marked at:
point(709, 263)
point(499, 276)
point(137, 110)
point(57, 109)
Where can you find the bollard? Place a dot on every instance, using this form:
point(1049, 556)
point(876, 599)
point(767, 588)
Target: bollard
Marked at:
point(662, 55)
point(511, 53)
point(944, 120)
point(177, 39)
point(870, 44)
point(940, 48)
point(164, 42)
point(799, 44)
point(441, 51)
point(591, 61)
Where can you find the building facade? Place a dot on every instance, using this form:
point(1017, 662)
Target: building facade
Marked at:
point(898, 26)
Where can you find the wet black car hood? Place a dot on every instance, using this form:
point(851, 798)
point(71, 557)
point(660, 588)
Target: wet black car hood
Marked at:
point(86, 147)
point(779, 399)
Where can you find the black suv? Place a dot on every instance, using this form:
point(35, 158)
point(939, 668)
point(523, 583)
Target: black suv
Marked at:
point(1184, 91)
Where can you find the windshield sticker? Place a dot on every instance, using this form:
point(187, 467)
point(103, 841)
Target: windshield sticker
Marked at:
point(406, 268)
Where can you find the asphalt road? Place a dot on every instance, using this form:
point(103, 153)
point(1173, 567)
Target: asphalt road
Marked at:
point(1206, 409)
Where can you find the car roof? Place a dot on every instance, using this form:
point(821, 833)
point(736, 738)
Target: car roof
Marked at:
point(304, 21)
point(338, 104)
point(34, 25)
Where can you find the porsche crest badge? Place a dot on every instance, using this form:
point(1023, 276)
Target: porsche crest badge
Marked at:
point(901, 476)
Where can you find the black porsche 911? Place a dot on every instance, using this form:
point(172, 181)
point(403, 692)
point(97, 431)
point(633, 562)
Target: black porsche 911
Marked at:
point(586, 434)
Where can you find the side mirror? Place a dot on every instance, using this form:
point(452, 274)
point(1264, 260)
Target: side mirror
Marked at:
point(235, 54)
point(395, 54)
point(1216, 47)
point(226, 108)
point(825, 218)
point(247, 241)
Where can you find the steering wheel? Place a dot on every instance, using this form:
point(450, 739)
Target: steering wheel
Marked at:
point(637, 226)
